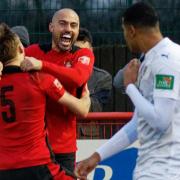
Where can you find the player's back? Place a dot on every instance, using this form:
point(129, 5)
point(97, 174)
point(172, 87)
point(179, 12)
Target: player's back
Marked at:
point(22, 133)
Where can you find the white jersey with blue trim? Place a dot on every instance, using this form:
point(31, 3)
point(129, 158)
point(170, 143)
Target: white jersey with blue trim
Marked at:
point(159, 76)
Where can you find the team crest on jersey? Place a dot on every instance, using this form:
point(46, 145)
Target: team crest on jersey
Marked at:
point(164, 81)
point(84, 60)
point(57, 84)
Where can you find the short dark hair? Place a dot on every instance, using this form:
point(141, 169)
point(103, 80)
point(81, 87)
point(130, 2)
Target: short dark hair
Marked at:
point(8, 43)
point(141, 15)
point(85, 35)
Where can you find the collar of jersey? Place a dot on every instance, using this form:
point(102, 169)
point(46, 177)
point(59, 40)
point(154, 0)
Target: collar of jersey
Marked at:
point(11, 69)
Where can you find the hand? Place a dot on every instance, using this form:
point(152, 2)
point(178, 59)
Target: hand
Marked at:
point(31, 63)
point(130, 73)
point(83, 168)
point(85, 92)
point(86, 100)
point(1, 68)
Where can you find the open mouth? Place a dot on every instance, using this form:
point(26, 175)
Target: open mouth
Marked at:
point(66, 39)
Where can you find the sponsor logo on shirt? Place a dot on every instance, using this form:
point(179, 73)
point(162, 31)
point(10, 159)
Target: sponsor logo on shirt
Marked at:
point(84, 60)
point(164, 81)
point(57, 84)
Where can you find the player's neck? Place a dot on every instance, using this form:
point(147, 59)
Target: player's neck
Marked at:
point(16, 61)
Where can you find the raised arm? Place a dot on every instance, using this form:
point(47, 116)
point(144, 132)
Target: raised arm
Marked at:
point(74, 76)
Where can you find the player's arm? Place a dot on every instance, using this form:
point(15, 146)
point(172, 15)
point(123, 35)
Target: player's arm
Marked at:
point(158, 115)
point(122, 139)
point(159, 112)
point(53, 88)
point(80, 107)
point(75, 76)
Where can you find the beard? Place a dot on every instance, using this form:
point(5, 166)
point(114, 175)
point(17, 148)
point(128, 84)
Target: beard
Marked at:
point(62, 44)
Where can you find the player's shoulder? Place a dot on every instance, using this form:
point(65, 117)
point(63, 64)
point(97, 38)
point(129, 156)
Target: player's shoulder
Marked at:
point(41, 76)
point(43, 47)
point(167, 58)
point(170, 50)
point(32, 46)
point(32, 50)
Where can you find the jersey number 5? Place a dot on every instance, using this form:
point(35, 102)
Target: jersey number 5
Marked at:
point(11, 116)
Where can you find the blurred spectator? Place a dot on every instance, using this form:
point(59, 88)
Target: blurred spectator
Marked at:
point(118, 81)
point(99, 84)
point(23, 34)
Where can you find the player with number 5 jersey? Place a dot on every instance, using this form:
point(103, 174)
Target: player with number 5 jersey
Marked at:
point(24, 150)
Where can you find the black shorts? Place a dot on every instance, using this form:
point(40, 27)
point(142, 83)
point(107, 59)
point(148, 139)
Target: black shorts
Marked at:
point(42, 172)
point(66, 161)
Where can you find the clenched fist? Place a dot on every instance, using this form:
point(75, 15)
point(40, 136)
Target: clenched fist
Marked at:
point(131, 72)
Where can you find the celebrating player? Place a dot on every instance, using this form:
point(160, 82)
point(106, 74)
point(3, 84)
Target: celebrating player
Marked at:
point(24, 151)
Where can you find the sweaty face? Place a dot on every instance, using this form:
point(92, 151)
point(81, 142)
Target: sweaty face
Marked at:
point(65, 29)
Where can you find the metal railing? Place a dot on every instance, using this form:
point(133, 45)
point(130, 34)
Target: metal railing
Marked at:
point(101, 125)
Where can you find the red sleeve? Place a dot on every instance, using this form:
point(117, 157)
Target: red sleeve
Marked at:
point(78, 74)
point(49, 85)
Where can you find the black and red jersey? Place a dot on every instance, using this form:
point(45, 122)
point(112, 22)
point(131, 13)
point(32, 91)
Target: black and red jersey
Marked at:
point(73, 69)
point(22, 111)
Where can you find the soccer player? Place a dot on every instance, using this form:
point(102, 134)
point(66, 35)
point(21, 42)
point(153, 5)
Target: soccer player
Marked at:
point(73, 67)
point(156, 120)
point(24, 151)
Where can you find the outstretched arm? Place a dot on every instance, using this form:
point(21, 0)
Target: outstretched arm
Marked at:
point(122, 139)
point(74, 76)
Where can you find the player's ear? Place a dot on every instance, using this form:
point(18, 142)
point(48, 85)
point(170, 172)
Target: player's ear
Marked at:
point(132, 30)
point(21, 48)
point(50, 27)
